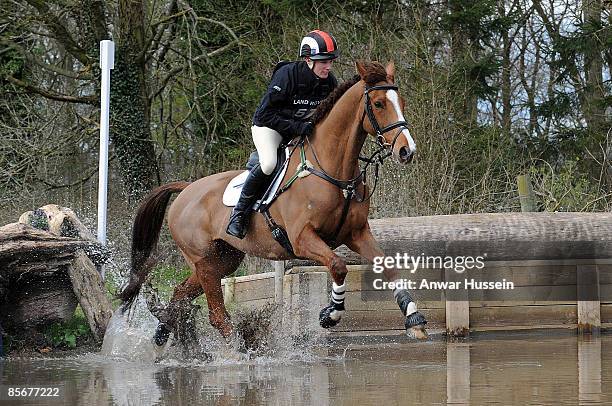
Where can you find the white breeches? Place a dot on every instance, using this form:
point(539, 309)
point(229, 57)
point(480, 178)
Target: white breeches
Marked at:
point(266, 141)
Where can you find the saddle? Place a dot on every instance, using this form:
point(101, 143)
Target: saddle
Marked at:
point(233, 189)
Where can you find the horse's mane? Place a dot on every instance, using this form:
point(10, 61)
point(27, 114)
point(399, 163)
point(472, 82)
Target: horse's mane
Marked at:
point(374, 73)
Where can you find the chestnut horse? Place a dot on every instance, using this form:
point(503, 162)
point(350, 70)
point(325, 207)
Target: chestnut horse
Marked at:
point(319, 211)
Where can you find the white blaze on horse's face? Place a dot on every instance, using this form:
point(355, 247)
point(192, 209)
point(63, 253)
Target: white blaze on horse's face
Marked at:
point(393, 97)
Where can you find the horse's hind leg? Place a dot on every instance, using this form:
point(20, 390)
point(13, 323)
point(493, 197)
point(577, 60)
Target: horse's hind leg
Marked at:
point(219, 262)
point(183, 294)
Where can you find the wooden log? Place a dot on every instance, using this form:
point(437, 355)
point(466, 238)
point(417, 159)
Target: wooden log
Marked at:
point(539, 252)
point(45, 273)
point(21, 244)
point(89, 289)
point(57, 220)
point(38, 299)
point(503, 236)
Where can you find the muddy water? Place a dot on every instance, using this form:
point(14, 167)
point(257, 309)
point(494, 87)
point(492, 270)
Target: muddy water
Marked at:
point(526, 369)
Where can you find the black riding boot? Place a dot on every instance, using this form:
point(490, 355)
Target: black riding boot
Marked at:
point(253, 185)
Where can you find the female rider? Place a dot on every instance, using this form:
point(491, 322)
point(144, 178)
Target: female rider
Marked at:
point(294, 93)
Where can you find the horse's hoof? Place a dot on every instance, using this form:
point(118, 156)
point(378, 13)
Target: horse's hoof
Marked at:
point(330, 316)
point(417, 332)
point(162, 333)
point(227, 331)
point(415, 326)
point(232, 338)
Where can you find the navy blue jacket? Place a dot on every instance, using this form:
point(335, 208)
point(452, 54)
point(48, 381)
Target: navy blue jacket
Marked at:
point(292, 97)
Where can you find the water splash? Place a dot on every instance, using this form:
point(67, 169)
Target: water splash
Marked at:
point(129, 335)
point(259, 338)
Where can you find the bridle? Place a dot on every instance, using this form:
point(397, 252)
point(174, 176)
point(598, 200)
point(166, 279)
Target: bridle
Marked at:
point(349, 187)
point(401, 124)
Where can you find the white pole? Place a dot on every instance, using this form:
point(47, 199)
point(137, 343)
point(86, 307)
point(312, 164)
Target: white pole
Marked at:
point(107, 62)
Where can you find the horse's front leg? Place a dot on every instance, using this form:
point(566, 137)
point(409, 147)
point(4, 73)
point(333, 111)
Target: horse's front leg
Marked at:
point(309, 245)
point(363, 243)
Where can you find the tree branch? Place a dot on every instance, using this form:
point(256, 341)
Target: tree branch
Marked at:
point(165, 45)
point(222, 24)
point(153, 41)
point(165, 81)
point(52, 186)
point(91, 100)
point(170, 17)
point(223, 49)
point(53, 68)
point(59, 30)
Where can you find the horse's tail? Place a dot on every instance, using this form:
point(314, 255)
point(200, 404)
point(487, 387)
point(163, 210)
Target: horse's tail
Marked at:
point(145, 233)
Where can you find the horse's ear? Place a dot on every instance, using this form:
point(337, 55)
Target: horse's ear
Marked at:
point(361, 69)
point(390, 69)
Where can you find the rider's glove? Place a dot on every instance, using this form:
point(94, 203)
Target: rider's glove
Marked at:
point(307, 128)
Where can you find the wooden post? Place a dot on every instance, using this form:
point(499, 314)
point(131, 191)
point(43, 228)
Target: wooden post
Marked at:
point(457, 306)
point(457, 373)
point(526, 194)
point(279, 273)
point(229, 289)
point(589, 370)
point(588, 301)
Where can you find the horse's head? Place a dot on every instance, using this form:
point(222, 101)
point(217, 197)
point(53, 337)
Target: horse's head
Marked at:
point(384, 109)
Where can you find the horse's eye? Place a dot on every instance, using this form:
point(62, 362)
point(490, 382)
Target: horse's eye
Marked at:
point(378, 104)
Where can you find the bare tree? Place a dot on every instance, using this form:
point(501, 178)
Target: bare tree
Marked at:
point(146, 33)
